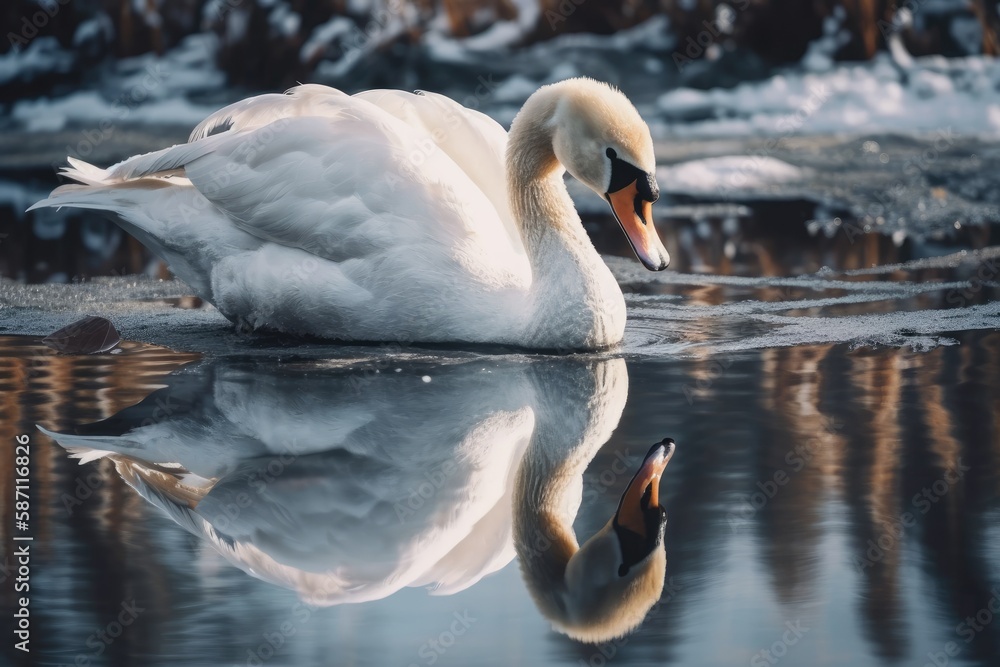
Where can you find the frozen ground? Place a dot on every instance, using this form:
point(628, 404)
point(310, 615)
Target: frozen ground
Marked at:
point(668, 314)
point(896, 185)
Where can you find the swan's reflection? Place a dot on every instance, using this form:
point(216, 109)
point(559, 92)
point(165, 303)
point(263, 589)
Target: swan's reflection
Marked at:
point(347, 485)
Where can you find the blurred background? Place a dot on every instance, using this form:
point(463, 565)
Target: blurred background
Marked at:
point(775, 120)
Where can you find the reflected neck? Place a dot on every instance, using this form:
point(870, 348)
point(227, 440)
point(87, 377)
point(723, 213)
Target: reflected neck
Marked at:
point(548, 487)
point(543, 534)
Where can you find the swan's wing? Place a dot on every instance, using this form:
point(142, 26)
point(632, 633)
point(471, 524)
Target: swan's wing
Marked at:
point(473, 140)
point(254, 112)
point(336, 176)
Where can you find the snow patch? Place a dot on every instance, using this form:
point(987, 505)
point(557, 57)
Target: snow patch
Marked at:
point(877, 96)
point(726, 173)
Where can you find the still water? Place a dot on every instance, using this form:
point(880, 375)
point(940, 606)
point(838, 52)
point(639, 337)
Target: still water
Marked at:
point(826, 505)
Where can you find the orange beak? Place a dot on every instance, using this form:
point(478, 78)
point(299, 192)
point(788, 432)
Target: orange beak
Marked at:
point(647, 479)
point(635, 215)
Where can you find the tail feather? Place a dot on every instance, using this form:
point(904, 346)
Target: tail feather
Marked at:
point(115, 197)
point(86, 448)
point(171, 480)
point(150, 197)
point(84, 172)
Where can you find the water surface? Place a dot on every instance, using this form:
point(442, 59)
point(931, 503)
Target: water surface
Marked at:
point(851, 495)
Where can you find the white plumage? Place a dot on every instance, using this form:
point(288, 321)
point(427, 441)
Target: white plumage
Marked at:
point(357, 486)
point(386, 215)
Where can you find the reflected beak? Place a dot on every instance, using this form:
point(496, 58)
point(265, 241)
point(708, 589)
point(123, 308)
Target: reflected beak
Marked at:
point(643, 491)
point(635, 215)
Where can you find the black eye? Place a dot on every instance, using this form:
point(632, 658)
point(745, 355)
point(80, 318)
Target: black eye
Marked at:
point(611, 153)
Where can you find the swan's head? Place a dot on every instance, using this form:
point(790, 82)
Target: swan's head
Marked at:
point(603, 142)
point(617, 575)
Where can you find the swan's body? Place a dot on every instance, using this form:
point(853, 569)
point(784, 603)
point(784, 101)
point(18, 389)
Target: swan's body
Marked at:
point(394, 216)
point(360, 489)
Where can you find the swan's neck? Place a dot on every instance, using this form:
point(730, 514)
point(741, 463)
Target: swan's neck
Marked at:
point(576, 302)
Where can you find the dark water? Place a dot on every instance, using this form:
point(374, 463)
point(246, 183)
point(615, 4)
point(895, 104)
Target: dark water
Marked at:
point(827, 505)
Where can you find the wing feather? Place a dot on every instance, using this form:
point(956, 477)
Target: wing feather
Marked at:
point(348, 177)
point(344, 187)
point(473, 140)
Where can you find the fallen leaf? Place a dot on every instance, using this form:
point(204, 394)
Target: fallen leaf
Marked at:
point(90, 335)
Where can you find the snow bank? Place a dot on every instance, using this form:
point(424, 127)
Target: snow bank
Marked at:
point(728, 173)
point(42, 56)
point(881, 96)
point(88, 107)
point(143, 90)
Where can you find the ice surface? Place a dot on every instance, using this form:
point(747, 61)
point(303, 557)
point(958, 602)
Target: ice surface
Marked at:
point(833, 310)
point(903, 186)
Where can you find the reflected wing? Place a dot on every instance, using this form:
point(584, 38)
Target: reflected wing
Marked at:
point(344, 528)
point(353, 492)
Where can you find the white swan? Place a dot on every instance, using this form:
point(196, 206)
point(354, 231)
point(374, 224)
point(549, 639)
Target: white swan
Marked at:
point(394, 216)
point(348, 491)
